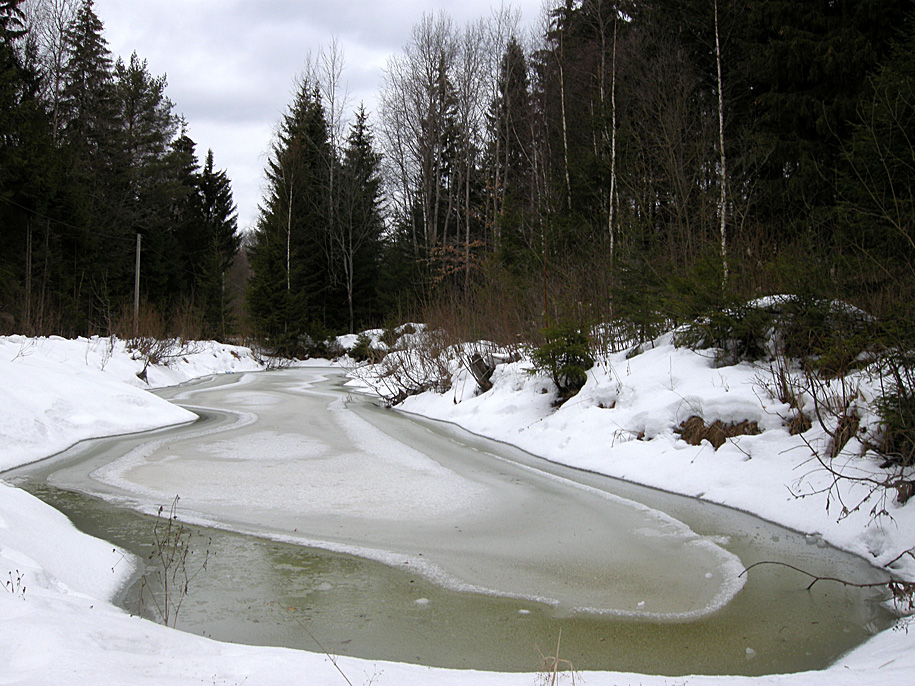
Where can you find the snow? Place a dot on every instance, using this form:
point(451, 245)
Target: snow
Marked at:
point(622, 424)
point(56, 392)
point(56, 616)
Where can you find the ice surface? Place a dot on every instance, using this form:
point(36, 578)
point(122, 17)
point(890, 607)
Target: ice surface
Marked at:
point(385, 489)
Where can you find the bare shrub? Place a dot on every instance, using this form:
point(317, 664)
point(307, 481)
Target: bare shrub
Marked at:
point(489, 314)
point(147, 335)
point(901, 591)
point(268, 359)
point(168, 576)
point(425, 364)
point(187, 323)
point(781, 383)
point(834, 405)
point(553, 667)
point(16, 584)
point(837, 411)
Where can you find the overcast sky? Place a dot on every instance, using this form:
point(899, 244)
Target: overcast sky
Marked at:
point(231, 64)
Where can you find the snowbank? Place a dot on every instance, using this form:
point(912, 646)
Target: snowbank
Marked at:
point(59, 627)
point(56, 392)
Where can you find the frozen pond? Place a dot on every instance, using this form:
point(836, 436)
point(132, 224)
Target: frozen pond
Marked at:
point(457, 551)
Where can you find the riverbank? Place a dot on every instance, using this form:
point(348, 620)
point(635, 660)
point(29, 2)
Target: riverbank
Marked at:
point(59, 628)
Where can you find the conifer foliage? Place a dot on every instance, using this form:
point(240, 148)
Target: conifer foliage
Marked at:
point(641, 163)
point(647, 162)
point(316, 247)
point(93, 155)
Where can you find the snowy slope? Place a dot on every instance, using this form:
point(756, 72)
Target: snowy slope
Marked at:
point(56, 392)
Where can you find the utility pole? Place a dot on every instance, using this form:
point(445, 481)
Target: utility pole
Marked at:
point(28, 277)
point(136, 291)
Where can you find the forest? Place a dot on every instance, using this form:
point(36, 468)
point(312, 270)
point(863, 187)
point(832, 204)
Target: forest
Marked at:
point(95, 168)
point(628, 166)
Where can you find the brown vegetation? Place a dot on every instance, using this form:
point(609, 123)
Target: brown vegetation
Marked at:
point(694, 430)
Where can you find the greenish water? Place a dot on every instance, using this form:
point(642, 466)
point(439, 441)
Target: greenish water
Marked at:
point(260, 592)
point(263, 592)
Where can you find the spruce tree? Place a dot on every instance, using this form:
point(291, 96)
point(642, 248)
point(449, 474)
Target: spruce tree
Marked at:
point(17, 167)
point(88, 114)
point(220, 224)
point(510, 154)
point(805, 66)
point(877, 206)
point(289, 288)
point(87, 100)
point(357, 237)
point(146, 181)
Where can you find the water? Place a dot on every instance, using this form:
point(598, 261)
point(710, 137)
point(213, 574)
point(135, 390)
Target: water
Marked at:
point(468, 560)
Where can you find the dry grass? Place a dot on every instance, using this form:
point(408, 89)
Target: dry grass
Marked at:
point(694, 430)
point(553, 667)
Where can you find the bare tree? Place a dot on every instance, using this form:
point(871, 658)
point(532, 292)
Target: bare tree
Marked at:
point(559, 55)
point(415, 103)
point(472, 84)
point(502, 28)
point(329, 74)
point(611, 229)
point(669, 172)
point(48, 21)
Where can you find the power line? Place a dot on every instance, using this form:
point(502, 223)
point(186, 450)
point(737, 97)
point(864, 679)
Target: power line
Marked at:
point(63, 223)
point(148, 248)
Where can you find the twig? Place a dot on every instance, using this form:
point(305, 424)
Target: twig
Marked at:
point(314, 638)
point(552, 663)
point(844, 582)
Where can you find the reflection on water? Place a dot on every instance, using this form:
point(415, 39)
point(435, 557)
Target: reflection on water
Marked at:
point(264, 592)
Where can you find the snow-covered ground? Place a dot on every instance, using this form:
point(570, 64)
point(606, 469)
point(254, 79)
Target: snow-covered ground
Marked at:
point(59, 627)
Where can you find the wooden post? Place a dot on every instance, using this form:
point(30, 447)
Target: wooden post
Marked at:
point(482, 371)
point(136, 291)
point(28, 278)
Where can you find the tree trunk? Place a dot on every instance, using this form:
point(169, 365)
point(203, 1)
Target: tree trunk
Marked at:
point(565, 132)
point(610, 214)
point(722, 170)
point(288, 240)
